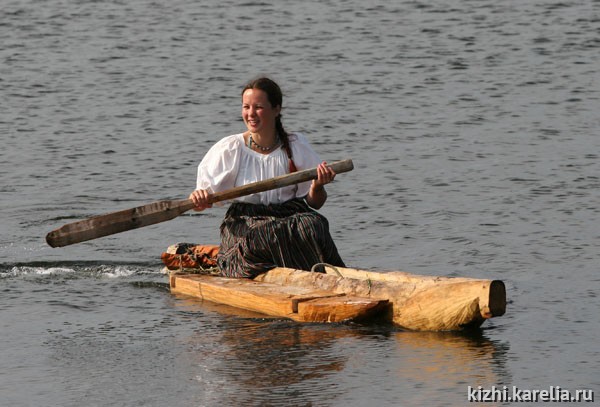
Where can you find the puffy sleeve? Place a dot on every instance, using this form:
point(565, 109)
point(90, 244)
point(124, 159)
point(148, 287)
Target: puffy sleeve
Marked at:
point(304, 157)
point(218, 169)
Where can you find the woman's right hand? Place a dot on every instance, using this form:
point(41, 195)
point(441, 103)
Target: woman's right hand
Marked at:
point(200, 199)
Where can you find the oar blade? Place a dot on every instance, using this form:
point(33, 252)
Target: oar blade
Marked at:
point(116, 222)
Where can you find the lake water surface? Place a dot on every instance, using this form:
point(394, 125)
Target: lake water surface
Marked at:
point(474, 130)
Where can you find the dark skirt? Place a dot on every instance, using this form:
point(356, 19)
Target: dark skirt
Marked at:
point(256, 238)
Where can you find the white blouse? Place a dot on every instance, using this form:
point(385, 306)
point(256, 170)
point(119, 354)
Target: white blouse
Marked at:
point(230, 163)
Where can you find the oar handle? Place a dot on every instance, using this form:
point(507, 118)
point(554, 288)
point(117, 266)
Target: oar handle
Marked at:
point(278, 182)
point(266, 185)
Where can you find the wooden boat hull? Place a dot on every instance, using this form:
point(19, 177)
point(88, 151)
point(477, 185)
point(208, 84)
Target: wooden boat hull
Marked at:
point(422, 303)
point(414, 302)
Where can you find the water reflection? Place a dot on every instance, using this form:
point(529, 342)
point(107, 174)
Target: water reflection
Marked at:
point(260, 361)
point(452, 359)
point(281, 352)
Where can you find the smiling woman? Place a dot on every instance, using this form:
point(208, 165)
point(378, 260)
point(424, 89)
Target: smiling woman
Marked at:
point(260, 118)
point(273, 228)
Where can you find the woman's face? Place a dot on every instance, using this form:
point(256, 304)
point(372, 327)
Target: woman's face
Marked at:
point(257, 112)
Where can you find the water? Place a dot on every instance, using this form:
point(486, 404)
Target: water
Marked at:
point(473, 127)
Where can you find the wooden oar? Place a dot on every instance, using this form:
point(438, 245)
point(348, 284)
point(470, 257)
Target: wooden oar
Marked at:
point(161, 211)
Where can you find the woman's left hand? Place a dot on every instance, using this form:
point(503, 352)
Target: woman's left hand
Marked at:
point(317, 195)
point(325, 175)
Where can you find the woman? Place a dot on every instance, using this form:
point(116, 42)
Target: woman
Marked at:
point(272, 228)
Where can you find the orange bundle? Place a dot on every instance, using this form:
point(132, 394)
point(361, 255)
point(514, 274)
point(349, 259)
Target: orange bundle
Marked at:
point(190, 256)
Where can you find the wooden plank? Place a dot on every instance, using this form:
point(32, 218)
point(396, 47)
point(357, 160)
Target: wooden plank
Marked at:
point(305, 304)
point(334, 309)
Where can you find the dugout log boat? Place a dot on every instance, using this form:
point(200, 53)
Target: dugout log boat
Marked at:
point(335, 294)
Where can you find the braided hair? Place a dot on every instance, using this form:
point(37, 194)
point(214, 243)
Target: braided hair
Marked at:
point(275, 96)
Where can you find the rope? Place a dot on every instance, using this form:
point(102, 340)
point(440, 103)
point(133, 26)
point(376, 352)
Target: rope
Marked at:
point(315, 266)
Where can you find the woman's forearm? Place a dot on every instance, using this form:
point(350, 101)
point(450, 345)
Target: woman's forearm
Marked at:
point(316, 196)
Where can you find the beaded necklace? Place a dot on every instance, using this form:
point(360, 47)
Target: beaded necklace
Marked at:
point(265, 149)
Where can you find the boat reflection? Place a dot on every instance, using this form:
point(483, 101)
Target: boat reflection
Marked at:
point(266, 360)
point(278, 351)
point(450, 359)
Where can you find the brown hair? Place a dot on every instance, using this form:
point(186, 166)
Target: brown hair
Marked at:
point(275, 96)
